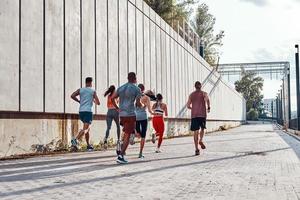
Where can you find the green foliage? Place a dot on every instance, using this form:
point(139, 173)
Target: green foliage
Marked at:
point(252, 114)
point(251, 86)
point(172, 10)
point(204, 23)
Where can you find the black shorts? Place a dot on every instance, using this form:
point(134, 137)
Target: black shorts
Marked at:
point(141, 127)
point(197, 123)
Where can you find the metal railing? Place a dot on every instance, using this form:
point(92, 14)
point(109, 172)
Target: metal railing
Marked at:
point(185, 30)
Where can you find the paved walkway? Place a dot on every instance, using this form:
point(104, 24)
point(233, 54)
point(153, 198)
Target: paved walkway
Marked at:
point(249, 162)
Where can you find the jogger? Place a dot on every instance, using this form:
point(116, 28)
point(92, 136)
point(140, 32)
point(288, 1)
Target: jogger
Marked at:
point(159, 110)
point(197, 102)
point(87, 97)
point(128, 94)
point(142, 118)
point(112, 114)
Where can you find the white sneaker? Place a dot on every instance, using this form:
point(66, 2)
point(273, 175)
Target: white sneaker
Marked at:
point(157, 150)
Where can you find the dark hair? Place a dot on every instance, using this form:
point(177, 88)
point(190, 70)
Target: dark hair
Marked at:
point(131, 77)
point(141, 86)
point(159, 97)
point(110, 90)
point(88, 79)
point(197, 85)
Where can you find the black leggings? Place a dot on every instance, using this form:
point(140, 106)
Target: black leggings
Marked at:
point(141, 127)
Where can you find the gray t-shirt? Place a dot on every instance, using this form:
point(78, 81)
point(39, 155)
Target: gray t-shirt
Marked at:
point(127, 96)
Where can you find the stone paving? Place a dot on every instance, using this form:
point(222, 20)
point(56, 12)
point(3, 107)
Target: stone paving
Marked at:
point(250, 162)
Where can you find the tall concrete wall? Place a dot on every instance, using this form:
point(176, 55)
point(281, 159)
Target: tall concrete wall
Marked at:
point(48, 47)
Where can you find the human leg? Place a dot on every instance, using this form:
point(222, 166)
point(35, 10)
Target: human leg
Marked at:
point(203, 127)
point(128, 128)
point(196, 139)
point(144, 126)
point(117, 122)
point(109, 120)
point(195, 127)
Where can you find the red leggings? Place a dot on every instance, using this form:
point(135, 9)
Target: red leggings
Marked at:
point(159, 127)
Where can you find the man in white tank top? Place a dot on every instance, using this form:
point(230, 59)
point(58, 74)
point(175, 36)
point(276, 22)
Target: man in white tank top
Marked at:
point(87, 97)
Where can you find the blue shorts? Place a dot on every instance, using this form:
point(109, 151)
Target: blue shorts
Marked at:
point(86, 117)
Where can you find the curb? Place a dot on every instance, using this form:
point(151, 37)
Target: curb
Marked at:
point(290, 132)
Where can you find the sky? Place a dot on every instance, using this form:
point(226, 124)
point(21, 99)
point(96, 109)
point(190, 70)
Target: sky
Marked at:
point(258, 31)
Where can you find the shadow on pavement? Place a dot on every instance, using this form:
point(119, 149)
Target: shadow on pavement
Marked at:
point(96, 167)
point(53, 173)
point(56, 161)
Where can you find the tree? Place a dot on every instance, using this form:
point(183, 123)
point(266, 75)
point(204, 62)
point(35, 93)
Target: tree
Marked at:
point(171, 10)
point(203, 24)
point(251, 86)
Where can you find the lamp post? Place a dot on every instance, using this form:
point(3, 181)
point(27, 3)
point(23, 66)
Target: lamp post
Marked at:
point(289, 95)
point(297, 85)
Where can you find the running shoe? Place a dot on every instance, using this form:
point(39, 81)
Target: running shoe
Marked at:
point(157, 150)
point(153, 138)
point(74, 142)
point(197, 152)
point(141, 155)
point(105, 145)
point(105, 141)
point(90, 148)
point(202, 145)
point(131, 139)
point(121, 160)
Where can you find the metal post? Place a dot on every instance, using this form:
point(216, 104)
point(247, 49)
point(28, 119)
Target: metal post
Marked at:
point(277, 116)
point(281, 108)
point(297, 86)
point(289, 96)
point(272, 109)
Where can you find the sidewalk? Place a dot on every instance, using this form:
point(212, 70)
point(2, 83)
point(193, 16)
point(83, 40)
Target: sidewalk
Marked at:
point(254, 161)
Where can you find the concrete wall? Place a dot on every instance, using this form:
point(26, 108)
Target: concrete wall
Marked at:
point(48, 47)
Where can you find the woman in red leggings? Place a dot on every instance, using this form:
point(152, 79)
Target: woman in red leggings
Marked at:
point(159, 110)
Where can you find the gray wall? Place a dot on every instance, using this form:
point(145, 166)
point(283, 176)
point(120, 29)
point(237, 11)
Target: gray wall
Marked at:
point(48, 47)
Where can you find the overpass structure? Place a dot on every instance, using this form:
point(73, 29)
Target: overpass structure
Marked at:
point(273, 70)
point(48, 47)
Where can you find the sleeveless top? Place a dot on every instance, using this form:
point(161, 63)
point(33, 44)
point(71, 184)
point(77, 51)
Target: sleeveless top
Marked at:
point(110, 105)
point(141, 113)
point(86, 99)
point(158, 110)
point(198, 104)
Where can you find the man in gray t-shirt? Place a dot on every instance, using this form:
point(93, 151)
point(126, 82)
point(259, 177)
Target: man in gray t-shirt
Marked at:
point(128, 95)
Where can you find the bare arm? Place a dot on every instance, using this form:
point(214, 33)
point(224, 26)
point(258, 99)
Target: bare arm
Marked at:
point(207, 102)
point(96, 99)
point(148, 104)
point(166, 110)
point(74, 95)
point(138, 102)
point(189, 102)
point(153, 107)
point(114, 98)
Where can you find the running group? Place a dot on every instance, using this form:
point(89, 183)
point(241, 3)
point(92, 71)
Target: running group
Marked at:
point(128, 106)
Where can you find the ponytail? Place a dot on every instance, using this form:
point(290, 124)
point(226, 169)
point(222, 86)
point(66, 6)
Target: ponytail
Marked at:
point(110, 90)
